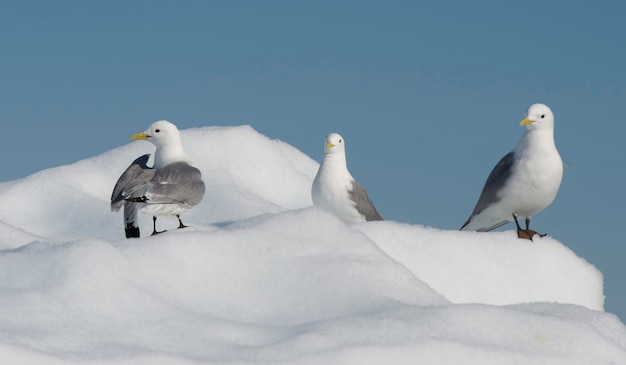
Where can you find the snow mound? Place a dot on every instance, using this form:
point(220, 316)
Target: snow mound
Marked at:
point(262, 277)
point(492, 268)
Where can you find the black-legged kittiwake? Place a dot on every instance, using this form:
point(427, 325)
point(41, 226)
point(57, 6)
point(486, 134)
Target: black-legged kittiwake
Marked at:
point(336, 191)
point(172, 186)
point(525, 181)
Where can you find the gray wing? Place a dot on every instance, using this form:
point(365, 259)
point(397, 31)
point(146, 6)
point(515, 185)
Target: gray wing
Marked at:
point(177, 182)
point(133, 180)
point(496, 180)
point(363, 203)
point(131, 184)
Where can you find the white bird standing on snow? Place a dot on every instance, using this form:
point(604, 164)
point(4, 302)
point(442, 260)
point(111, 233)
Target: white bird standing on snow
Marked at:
point(171, 187)
point(525, 181)
point(336, 191)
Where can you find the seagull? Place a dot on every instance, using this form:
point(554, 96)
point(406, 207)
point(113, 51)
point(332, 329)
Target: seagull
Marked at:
point(525, 181)
point(172, 186)
point(336, 191)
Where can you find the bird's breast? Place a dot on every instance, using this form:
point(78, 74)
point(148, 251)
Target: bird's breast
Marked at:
point(534, 185)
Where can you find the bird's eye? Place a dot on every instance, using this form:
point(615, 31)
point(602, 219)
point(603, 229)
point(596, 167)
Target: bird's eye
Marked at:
point(158, 130)
point(339, 141)
point(543, 116)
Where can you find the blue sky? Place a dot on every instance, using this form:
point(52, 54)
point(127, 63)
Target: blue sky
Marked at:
point(428, 95)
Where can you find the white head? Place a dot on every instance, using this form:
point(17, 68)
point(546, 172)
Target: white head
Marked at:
point(159, 133)
point(538, 116)
point(334, 144)
point(166, 138)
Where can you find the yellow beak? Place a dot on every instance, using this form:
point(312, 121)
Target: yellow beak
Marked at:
point(330, 145)
point(526, 121)
point(137, 136)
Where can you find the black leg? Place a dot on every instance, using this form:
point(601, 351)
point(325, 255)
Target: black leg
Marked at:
point(530, 231)
point(523, 233)
point(180, 223)
point(154, 231)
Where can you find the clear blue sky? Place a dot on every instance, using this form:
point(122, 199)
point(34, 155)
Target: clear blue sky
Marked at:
point(428, 95)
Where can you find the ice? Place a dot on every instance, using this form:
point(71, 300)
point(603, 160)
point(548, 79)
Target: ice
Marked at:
point(262, 277)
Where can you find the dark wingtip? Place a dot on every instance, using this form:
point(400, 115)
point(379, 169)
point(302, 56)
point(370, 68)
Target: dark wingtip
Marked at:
point(142, 160)
point(131, 231)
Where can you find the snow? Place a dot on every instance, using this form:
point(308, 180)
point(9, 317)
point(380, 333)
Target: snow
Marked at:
point(262, 277)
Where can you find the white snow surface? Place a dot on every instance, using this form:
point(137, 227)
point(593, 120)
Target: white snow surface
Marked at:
point(262, 277)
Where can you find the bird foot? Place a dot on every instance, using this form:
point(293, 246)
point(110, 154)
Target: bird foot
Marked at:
point(158, 232)
point(180, 222)
point(528, 234)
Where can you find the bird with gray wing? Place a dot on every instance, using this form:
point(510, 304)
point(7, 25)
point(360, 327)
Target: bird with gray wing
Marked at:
point(525, 181)
point(169, 188)
point(336, 191)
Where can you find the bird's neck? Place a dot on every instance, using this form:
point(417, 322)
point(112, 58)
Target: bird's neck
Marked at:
point(335, 159)
point(171, 153)
point(536, 140)
point(335, 166)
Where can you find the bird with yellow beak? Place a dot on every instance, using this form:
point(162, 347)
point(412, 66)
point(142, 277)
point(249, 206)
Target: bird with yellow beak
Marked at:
point(525, 181)
point(335, 190)
point(170, 187)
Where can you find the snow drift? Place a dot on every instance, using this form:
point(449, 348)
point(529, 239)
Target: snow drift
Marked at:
point(260, 276)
